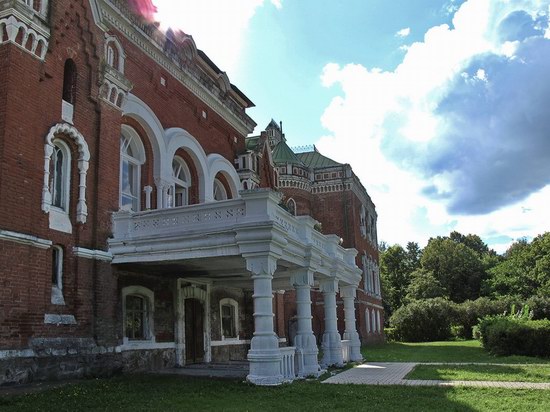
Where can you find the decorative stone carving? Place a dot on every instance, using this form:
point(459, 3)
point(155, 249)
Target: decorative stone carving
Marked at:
point(25, 30)
point(83, 163)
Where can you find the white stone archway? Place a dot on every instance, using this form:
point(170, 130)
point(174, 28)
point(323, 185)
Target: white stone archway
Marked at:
point(178, 138)
point(219, 164)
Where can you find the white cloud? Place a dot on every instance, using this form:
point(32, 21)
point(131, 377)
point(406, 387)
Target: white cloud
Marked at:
point(277, 3)
point(218, 27)
point(388, 124)
point(403, 32)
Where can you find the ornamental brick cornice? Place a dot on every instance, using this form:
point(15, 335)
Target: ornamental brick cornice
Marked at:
point(112, 14)
point(24, 27)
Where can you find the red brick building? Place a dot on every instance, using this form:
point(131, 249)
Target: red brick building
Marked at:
point(138, 230)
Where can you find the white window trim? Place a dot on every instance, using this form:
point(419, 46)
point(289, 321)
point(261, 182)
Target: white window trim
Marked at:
point(138, 160)
point(112, 41)
point(235, 305)
point(149, 329)
point(219, 185)
point(186, 184)
point(83, 164)
point(367, 320)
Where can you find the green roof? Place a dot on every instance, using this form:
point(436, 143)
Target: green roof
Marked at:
point(284, 154)
point(316, 160)
point(252, 142)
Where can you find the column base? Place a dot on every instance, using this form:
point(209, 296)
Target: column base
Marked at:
point(332, 350)
point(355, 347)
point(265, 367)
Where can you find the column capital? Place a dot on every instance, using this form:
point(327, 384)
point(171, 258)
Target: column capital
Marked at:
point(261, 265)
point(302, 277)
point(328, 285)
point(348, 291)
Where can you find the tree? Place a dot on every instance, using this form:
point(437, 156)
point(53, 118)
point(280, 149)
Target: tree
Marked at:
point(457, 267)
point(395, 275)
point(525, 271)
point(414, 254)
point(424, 285)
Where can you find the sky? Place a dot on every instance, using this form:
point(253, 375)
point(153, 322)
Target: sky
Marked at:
point(441, 107)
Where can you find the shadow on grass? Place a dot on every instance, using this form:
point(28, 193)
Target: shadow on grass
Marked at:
point(154, 393)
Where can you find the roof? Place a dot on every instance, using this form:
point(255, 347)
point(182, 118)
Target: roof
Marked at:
point(284, 154)
point(315, 160)
point(217, 70)
point(252, 142)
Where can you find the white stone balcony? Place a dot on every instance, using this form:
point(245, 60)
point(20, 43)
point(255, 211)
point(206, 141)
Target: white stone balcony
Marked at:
point(210, 238)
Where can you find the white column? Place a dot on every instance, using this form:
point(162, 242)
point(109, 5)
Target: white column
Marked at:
point(305, 341)
point(348, 295)
point(264, 355)
point(332, 342)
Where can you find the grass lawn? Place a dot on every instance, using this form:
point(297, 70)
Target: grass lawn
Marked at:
point(508, 373)
point(449, 351)
point(170, 393)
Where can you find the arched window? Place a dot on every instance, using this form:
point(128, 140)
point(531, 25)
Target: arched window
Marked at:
point(69, 82)
point(219, 190)
point(60, 175)
point(69, 91)
point(291, 206)
point(131, 158)
point(111, 55)
point(138, 304)
point(182, 182)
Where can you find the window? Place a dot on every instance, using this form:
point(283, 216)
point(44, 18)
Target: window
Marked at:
point(136, 317)
point(57, 276)
point(111, 55)
point(131, 159)
point(363, 222)
point(228, 318)
point(180, 189)
point(367, 320)
point(219, 190)
point(291, 206)
point(138, 304)
point(60, 175)
point(69, 91)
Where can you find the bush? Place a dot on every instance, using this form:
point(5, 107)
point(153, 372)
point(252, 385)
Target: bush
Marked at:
point(540, 306)
point(513, 335)
point(470, 312)
point(390, 335)
point(424, 320)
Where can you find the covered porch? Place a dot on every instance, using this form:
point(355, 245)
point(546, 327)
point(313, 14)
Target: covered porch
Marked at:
point(249, 244)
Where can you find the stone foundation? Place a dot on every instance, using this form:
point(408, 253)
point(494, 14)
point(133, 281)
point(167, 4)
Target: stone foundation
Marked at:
point(227, 353)
point(73, 358)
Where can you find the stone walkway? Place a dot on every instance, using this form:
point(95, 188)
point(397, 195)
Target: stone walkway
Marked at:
point(393, 373)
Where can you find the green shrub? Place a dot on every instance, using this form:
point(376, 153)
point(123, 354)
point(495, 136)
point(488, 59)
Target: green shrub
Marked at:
point(424, 320)
point(540, 306)
point(470, 312)
point(390, 335)
point(513, 335)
